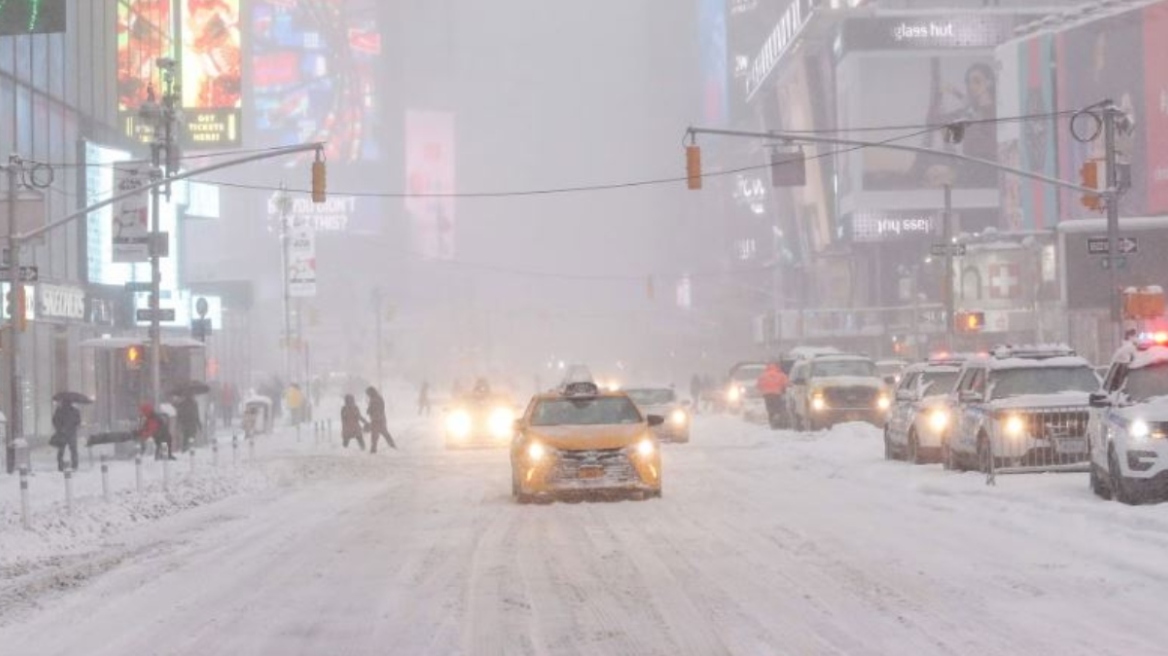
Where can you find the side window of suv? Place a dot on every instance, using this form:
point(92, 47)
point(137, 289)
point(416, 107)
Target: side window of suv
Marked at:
point(1116, 377)
point(909, 382)
point(978, 383)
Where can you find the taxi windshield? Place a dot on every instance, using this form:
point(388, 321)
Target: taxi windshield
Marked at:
point(651, 396)
point(749, 373)
point(585, 412)
point(1147, 383)
point(830, 368)
point(938, 382)
point(1043, 380)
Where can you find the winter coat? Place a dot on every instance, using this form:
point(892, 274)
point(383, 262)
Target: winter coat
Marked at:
point(187, 415)
point(772, 382)
point(351, 420)
point(66, 421)
point(153, 425)
point(376, 409)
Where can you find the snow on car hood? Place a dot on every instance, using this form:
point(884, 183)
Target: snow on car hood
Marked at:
point(1042, 400)
point(583, 438)
point(1151, 410)
point(848, 381)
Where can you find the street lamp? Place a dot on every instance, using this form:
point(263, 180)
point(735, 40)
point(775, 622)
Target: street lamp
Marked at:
point(162, 117)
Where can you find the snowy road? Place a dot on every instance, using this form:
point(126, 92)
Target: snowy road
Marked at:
point(764, 543)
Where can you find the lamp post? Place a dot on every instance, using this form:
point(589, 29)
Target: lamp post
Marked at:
point(162, 116)
point(282, 202)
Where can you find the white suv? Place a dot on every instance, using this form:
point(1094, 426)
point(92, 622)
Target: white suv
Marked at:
point(1021, 409)
point(920, 413)
point(1128, 430)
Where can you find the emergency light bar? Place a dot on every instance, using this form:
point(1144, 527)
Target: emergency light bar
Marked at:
point(1032, 351)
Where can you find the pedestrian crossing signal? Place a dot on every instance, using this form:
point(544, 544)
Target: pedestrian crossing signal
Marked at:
point(970, 322)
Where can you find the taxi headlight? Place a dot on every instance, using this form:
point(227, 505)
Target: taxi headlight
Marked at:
point(939, 419)
point(679, 418)
point(818, 403)
point(645, 448)
point(1139, 429)
point(458, 424)
point(883, 402)
point(502, 422)
point(1015, 426)
point(536, 451)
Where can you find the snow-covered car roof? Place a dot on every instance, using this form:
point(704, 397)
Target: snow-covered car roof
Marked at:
point(842, 357)
point(996, 364)
point(1138, 358)
point(802, 352)
point(933, 367)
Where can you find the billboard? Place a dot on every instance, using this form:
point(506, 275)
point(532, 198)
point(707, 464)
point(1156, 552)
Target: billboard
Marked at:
point(355, 215)
point(144, 29)
point(301, 259)
point(313, 66)
point(1095, 62)
point(1155, 20)
point(131, 216)
point(212, 72)
point(430, 174)
point(712, 23)
point(31, 17)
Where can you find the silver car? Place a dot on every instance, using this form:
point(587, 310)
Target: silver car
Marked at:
point(663, 402)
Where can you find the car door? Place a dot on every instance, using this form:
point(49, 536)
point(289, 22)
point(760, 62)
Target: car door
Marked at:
point(970, 411)
point(904, 411)
point(1099, 419)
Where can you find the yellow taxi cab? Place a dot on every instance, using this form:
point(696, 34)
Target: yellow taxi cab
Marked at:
point(580, 439)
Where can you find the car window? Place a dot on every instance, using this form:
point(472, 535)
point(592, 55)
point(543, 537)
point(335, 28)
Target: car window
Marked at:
point(651, 396)
point(938, 382)
point(1146, 383)
point(861, 368)
point(586, 412)
point(1113, 381)
point(909, 382)
point(1043, 380)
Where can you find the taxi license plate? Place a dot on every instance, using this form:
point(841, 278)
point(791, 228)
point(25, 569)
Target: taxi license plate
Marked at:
point(591, 471)
point(1070, 445)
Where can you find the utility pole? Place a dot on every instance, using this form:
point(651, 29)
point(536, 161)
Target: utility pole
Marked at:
point(283, 203)
point(163, 116)
point(377, 300)
point(947, 239)
point(1112, 199)
point(14, 405)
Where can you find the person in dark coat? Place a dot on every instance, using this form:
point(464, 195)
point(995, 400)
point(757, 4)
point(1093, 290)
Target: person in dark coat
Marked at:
point(424, 399)
point(189, 424)
point(156, 426)
point(377, 420)
point(66, 421)
point(352, 423)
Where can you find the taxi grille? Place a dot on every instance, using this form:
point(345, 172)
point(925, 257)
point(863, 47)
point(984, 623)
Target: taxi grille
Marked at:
point(614, 463)
point(849, 397)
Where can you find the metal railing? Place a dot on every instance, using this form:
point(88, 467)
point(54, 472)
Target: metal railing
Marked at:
point(1037, 440)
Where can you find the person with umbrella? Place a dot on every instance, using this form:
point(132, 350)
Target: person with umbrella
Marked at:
point(187, 411)
point(66, 421)
point(155, 425)
point(377, 421)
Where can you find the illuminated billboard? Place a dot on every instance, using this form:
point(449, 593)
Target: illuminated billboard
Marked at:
point(429, 180)
point(31, 17)
point(313, 66)
point(144, 35)
point(212, 72)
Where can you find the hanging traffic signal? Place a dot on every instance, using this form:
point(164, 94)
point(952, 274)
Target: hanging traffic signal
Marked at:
point(970, 322)
point(1089, 176)
point(319, 180)
point(693, 166)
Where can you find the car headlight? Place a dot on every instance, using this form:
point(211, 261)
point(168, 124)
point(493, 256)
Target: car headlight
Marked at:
point(645, 448)
point(1015, 426)
point(536, 451)
point(883, 402)
point(734, 394)
point(818, 403)
point(1139, 429)
point(679, 418)
point(502, 422)
point(458, 424)
point(939, 419)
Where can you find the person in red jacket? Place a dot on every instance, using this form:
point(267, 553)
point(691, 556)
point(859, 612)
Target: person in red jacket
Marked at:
point(154, 425)
point(772, 384)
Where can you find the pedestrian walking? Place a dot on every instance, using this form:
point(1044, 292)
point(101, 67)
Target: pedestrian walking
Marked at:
point(352, 423)
point(66, 421)
point(189, 423)
point(377, 420)
point(695, 393)
point(424, 399)
point(772, 384)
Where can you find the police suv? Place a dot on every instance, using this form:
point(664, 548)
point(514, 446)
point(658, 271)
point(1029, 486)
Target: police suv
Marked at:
point(920, 413)
point(1128, 430)
point(1021, 409)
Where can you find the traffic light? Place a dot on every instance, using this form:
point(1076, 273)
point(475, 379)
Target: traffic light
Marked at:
point(133, 358)
point(16, 309)
point(319, 180)
point(970, 322)
point(693, 166)
point(1089, 174)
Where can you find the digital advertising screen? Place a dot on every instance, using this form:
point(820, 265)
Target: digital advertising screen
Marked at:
point(144, 29)
point(212, 72)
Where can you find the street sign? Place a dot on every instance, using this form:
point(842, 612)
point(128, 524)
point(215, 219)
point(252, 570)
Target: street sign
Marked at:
point(138, 287)
point(27, 273)
point(1120, 262)
point(1124, 245)
point(164, 314)
point(947, 250)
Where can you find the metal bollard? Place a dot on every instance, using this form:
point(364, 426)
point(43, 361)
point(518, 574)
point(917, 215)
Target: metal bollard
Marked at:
point(105, 489)
point(166, 469)
point(234, 450)
point(192, 452)
point(251, 448)
point(69, 491)
point(89, 453)
point(138, 473)
point(215, 454)
point(25, 518)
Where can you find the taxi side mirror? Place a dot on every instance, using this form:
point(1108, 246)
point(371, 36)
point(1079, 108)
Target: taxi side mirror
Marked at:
point(1099, 400)
point(655, 420)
